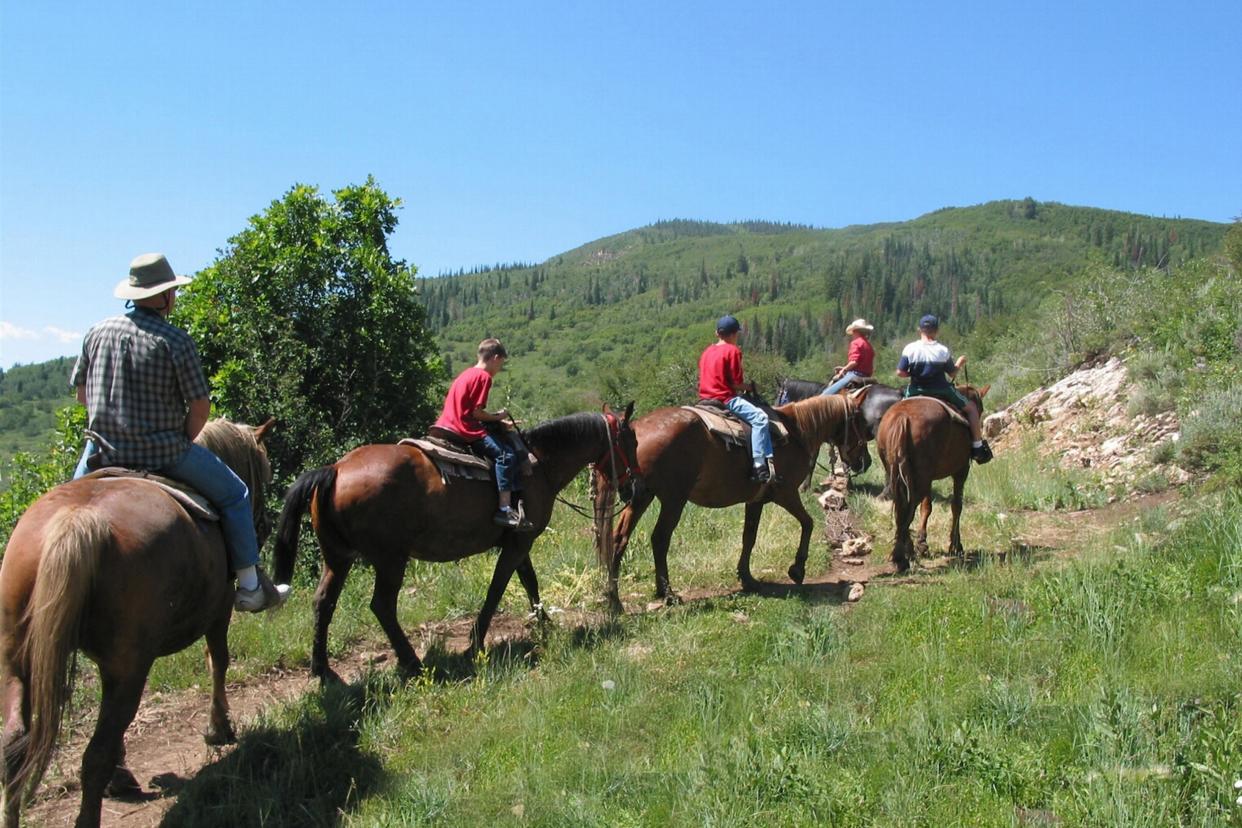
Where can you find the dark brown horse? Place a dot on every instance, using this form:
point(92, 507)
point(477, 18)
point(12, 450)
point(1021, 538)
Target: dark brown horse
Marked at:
point(919, 442)
point(120, 570)
point(388, 503)
point(682, 462)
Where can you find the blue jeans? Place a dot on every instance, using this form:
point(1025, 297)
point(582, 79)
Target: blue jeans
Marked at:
point(504, 459)
point(841, 383)
point(209, 475)
point(87, 453)
point(760, 436)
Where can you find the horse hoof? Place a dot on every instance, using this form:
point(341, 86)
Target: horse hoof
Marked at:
point(123, 785)
point(903, 566)
point(673, 600)
point(749, 584)
point(218, 737)
point(615, 608)
point(797, 573)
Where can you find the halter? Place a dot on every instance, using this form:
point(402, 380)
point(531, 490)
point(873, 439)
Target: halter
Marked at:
point(629, 465)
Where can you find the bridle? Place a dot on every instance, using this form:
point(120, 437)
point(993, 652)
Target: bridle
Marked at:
point(629, 465)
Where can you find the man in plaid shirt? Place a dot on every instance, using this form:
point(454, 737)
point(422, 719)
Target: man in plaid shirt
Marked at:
point(146, 400)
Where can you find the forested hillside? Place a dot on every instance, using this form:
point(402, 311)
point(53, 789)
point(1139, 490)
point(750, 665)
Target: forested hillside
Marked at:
point(29, 397)
point(626, 315)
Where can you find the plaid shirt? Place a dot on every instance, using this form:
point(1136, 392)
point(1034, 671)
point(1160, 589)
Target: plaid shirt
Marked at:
point(140, 372)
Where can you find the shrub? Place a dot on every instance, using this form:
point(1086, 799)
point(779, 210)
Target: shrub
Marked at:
point(1211, 437)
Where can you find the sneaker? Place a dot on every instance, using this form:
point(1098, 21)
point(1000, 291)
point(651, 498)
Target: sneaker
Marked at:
point(981, 454)
point(760, 474)
point(508, 518)
point(266, 596)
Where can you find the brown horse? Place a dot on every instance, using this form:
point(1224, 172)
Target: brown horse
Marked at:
point(681, 462)
point(388, 503)
point(918, 443)
point(120, 570)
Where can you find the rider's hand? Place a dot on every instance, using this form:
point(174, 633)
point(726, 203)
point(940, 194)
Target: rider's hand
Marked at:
point(960, 362)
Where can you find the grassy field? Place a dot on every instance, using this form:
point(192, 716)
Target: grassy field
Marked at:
point(1091, 683)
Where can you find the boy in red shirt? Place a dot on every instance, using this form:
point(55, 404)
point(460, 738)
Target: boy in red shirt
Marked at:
point(860, 360)
point(464, 415)
point(720, 378)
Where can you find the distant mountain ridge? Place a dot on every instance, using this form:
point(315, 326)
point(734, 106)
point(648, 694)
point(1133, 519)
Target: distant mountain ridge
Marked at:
point(582, 321)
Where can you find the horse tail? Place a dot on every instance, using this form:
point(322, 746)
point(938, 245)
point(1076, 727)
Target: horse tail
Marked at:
point(899, 471)
point(72, 548)
point(297, 502)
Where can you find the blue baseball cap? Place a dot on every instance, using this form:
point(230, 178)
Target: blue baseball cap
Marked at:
point(929, 323)
point(727, 324)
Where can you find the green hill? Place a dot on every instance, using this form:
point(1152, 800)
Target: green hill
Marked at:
point(29, 398)
point(626, 315)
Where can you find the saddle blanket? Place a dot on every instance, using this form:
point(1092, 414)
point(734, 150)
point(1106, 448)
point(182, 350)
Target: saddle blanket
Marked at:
point(193, 502)
point(450, 460)
point(732, 430)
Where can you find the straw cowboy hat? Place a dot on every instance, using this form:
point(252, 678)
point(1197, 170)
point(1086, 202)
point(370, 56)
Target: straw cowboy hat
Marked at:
point(859, 325)
point(149, 274)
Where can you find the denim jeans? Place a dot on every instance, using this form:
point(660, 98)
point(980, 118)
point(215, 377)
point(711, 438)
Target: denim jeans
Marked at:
point(215, 481)
point(87, 453)
point(841, 383)
point(505, 461)
point(760, 436)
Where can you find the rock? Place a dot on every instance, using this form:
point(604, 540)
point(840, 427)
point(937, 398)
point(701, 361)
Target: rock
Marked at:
point(854, 547)
point(856, 592)
point(832, 501)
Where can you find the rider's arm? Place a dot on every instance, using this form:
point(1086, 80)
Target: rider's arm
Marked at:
point(484, 416)
point(200, 410)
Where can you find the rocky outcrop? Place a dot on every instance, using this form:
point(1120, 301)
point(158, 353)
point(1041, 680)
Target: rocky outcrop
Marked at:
point(1083, 419)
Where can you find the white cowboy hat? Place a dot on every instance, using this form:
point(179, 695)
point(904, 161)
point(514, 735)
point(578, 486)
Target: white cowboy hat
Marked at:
point(859, 325)
point(149, 274)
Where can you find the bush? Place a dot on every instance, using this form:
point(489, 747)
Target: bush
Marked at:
point(1212, 433)
point(29, 475)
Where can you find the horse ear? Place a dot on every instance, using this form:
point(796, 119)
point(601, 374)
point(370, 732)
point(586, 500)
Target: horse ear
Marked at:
point(629, 411)
point(261, 432)
point(983, 392)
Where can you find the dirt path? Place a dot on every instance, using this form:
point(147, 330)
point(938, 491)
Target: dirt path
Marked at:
point(165, 744)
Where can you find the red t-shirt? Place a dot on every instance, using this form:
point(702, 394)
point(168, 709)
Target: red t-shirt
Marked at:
point(720, 369)
point(467, 394)
point(862, 355)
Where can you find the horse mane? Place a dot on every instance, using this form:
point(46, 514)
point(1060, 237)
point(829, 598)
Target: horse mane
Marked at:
point(235, 444)
point(817, 415)
point(570, 429)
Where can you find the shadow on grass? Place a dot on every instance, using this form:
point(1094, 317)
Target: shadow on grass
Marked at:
point(306, 771)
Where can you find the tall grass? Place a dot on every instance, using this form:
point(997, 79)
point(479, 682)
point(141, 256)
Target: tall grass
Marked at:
point(1102, 691)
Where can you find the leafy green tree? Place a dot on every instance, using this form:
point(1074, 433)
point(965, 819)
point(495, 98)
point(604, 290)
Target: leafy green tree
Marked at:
point(307, 317)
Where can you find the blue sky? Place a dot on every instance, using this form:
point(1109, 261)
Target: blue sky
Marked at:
point(515, 131)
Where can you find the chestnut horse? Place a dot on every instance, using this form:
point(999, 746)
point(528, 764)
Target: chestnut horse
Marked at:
point(388, 503)
point(918, 443)
point(120, 570)
point(681, 462)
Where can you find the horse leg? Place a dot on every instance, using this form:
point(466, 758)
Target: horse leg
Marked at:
point(750, 529)
point(920, 541)
point(793, 505)
point(121, 695)
point(388, 579)
point(955, 534)
point(16, 727)
point(661, 537)
point(903, 514)
point(628, 519)
point(530, 583)
point(512, 553)
point(335, 571)
point(219, 730)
